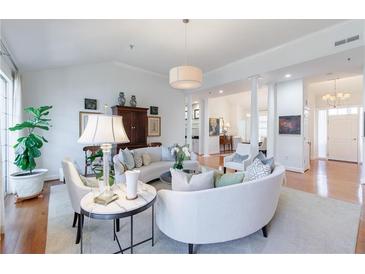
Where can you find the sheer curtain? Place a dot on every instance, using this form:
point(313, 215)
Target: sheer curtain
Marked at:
point(2, 198)
point(16, 111)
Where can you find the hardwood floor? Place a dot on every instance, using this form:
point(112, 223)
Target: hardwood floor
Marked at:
point(26, 222)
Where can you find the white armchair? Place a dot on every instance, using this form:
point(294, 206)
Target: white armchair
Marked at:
point(76, 190)
point(242, 149)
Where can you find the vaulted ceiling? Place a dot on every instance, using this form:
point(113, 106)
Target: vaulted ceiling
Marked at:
point(158, 44)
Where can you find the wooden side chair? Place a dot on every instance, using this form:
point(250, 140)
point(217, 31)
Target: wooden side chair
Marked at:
point(91, 150)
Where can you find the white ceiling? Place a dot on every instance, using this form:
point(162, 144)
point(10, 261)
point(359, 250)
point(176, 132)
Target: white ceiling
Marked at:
point(345, 64)
point(159, 44)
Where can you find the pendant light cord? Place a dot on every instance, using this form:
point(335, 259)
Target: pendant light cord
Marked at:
point(186, 43)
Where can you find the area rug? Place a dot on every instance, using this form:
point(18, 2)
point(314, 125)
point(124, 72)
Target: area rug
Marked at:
point(303, 223)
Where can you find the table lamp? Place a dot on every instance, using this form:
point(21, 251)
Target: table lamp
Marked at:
point(104, 130)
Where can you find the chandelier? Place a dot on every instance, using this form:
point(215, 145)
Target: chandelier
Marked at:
point(336, 98)
point(185, 76)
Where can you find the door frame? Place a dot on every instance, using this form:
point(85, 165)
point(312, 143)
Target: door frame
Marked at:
point(359, 137)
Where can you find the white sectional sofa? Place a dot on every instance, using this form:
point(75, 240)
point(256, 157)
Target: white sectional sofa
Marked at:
point(219, 214)
point(157, 166)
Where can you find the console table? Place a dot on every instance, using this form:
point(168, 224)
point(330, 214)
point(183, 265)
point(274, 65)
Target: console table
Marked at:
point(118, 209)
point(225, 140)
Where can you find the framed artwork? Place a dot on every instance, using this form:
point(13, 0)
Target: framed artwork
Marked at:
point(196, 114)
point(153, 110)
point(91, 104)
point(290, 124)
point(83, 117)
point(214, 126)
point(154, 126)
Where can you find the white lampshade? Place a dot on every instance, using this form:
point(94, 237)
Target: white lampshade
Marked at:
point(186, 77)
point(104, 129)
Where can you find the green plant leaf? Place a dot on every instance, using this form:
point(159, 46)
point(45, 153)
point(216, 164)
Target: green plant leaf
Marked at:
point(32, 110)
point(24, 125)
point(42, 109)
point(34, 152)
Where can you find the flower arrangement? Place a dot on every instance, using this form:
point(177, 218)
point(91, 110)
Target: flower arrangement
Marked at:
point(181, 153)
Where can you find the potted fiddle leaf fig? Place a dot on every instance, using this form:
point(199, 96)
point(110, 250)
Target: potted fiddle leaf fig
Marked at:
point(29, 182)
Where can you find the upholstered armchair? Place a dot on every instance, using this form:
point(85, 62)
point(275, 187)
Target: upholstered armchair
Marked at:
point(76, 190)
point(242, 150)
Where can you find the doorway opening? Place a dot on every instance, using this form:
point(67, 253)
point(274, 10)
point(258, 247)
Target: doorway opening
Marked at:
point(339, 134)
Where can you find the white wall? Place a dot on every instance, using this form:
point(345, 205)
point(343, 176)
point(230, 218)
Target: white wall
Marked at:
point(65, 89)
point(289, 148)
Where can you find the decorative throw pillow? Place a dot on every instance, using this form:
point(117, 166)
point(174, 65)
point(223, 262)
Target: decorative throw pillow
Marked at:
point(167, 154)
point(128, 159)
point(121, 166)
point(90, 182)
point(137, 159)
point(266, 161)
point(146, 158)
point(217, 174)
point(256, 171)
point(230, 179)
point(181, 181)
point(238, 158)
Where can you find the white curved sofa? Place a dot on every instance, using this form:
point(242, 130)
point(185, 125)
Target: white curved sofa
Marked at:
point(219, 214)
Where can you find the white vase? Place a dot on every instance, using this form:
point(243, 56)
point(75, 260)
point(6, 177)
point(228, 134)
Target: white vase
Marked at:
point(28, 185)
point(132, 183)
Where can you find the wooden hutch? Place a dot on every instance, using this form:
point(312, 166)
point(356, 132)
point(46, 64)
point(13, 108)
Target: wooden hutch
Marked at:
point(135, 125)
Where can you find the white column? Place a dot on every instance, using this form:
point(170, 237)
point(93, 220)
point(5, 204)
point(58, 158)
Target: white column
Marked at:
point(254, 139)
point(271, 120)
point(189, 124)
point(201, 127)
point(204, 127)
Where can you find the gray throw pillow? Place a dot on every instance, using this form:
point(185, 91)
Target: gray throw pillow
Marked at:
point(238, 158)
point(266, 161)
point(138, 159)
point(256, 171)
point(128, 159)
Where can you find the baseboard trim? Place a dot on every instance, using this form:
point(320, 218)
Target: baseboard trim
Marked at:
point(295, 169)
point(51, 177)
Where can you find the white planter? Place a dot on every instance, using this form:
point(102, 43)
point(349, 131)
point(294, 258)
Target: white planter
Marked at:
point(28, 186)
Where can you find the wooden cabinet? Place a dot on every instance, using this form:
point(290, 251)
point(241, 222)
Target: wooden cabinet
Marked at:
point(135, 125)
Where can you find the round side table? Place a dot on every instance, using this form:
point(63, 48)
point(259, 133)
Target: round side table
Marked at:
point(120, 208)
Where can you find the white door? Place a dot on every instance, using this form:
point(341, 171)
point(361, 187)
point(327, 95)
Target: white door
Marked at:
point(343, 132)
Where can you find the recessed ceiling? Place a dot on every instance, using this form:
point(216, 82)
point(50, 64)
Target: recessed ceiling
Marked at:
point(158, 44)
point(341, 65)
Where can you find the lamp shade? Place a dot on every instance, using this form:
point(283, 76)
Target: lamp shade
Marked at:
point(104, 129)
point(186, 77)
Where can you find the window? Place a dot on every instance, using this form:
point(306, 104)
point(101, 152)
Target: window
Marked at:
point(262, 126)
point(4, 134)
point(342, 111)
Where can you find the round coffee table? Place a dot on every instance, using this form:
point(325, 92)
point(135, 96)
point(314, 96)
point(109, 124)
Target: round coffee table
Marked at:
point(118, 209)
point(166, 176)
